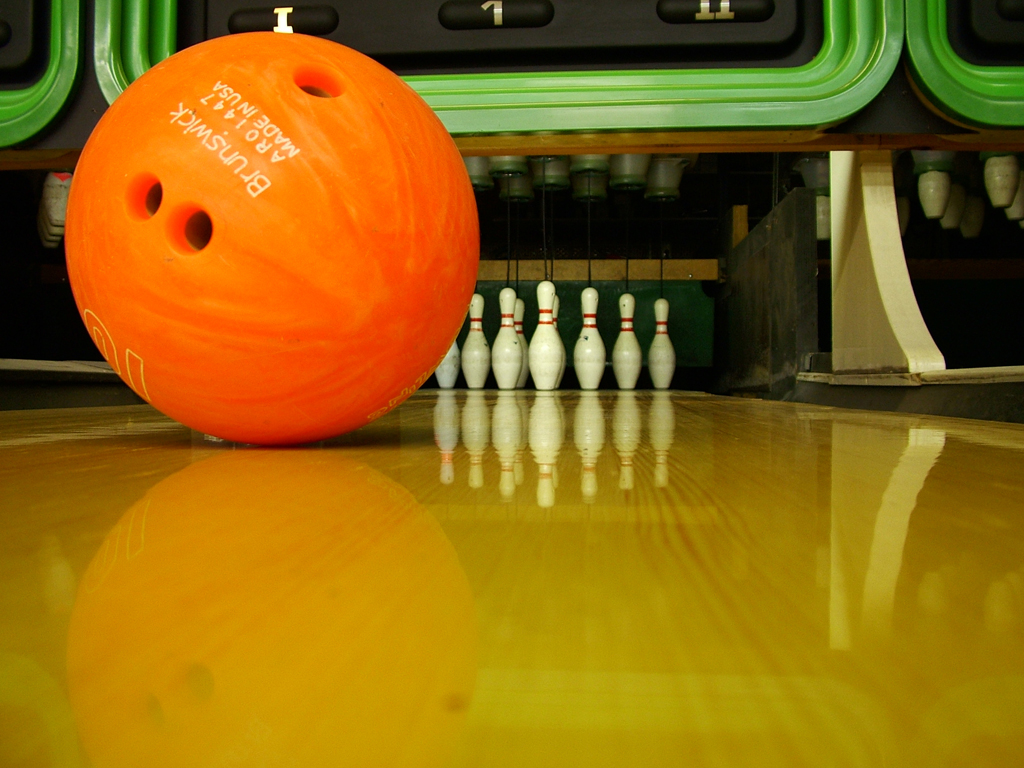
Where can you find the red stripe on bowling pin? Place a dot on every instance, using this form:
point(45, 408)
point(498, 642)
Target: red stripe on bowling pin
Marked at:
point(506, 321)
point(589, 321)
point(541, 320)
point(627, 324)
point(662, 327)
point(476, 323)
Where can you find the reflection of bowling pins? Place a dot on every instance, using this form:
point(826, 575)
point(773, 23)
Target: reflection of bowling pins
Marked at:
point(589, 353)
point(446, 433)
point(1001, 610)
point(546, 433)
point(661, 425)
point(661, 357)
point(475, 435)
point(626, 354)
point(524, 373)
point(561, 344)
point(476, 354)
point(506, 355)
point(545, 346)
point(588, 434)
point(524, 419)
point(58, 577)
point(626, 429)
point(506, 433)
point(448, 370)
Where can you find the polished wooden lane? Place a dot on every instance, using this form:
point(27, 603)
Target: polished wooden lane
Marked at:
point(515, 579)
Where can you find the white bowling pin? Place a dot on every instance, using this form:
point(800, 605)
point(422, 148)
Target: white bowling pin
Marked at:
point(1002, 175)
point(506, 435)
point(446, 433)
point(524, 419)
point(823, 217)
point(53, 208)
point(1015, 211)
point(476, 354)
point(545, 346)
point(476, 432)
point(506, 355)
point(589, 355)
point(626, 354)
point(933, 190)
point(955, 207)
point(661, 425)
point(661, 357)
point(448, 371)
point(626, 428)
point(554, 320)
point(524, 374)
point(546, 434)
point(588, 434)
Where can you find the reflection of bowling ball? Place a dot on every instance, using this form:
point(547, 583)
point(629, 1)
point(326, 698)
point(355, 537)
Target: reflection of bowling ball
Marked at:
point(272, 238)
point(272, 608)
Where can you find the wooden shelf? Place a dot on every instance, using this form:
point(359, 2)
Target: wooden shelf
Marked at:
point(602, 270)
point(952, 269)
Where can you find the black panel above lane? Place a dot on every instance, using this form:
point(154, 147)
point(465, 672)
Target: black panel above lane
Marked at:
point(700, 11)
point(506, 14)
point(414, 37)
point(23, 39)
point(305, 20)
point(987, 32)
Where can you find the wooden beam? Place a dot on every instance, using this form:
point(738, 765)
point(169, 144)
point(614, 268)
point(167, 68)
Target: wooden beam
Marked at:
point(601, 270)
point(695, 142)
point(952, 269)
point(38, 159)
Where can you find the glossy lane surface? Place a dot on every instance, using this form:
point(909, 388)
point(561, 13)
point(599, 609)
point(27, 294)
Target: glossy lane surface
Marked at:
point(509, 579)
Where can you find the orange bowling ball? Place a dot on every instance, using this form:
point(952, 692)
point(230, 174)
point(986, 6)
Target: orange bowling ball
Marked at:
point(272, 238)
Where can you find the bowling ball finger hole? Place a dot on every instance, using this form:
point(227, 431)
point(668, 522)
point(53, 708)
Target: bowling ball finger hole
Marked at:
point(144, 196)
point(319, 83)
point(198, 230)
point(190, 229)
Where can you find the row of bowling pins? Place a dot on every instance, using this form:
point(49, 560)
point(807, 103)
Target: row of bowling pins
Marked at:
point(513, 359)
point(514, 424)
point(947, 197)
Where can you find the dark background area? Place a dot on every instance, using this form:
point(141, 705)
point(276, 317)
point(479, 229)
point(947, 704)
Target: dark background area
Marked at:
point(975, 322)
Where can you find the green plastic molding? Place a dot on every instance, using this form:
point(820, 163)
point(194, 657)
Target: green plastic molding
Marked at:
point(131, 36)
point(982, 96)
point(862, 44)
point(25, 112)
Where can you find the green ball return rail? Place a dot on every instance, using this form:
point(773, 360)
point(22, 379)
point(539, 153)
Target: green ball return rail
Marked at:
point(863, 40)
point(131, 36)
point(984, 96)
point(26, 111)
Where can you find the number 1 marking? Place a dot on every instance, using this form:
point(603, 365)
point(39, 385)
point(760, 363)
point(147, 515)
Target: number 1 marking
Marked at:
point(726, 12)
point(497, 10)
point(282, 20)
point(705, 11)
